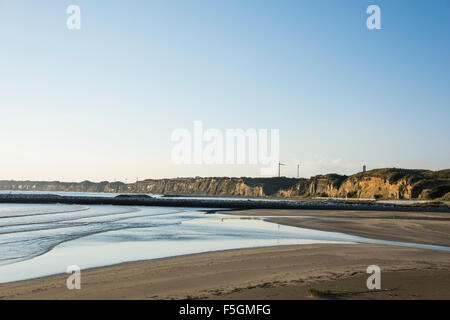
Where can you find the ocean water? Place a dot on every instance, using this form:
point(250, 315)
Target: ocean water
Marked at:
point(44, 239)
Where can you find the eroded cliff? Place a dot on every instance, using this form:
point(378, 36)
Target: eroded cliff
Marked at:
point(389, 183)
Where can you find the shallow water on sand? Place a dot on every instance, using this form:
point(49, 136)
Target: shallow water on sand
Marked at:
point(44, 239)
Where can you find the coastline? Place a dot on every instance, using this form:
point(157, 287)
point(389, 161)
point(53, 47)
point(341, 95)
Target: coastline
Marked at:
point(280, 272)
point(283, 272)
point(143, 200)
point(413, 227)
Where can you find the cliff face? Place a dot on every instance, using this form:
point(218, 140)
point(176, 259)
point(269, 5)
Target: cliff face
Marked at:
point(201, 186)
point(379, 183)
point(85, 186)
point(398, 184)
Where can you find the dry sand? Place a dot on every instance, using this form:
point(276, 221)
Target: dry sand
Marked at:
point(285, 272)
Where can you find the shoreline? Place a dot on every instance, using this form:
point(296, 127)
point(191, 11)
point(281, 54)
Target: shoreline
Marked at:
point(412, 227)
point(141, 200)
point(311, 267)
point(253, 274)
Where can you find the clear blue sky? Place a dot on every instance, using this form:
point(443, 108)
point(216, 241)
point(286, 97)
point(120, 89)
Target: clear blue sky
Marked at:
point(101, 103)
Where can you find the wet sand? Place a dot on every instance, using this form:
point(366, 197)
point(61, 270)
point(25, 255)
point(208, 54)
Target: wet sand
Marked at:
point(418, 227)
point(322, 271)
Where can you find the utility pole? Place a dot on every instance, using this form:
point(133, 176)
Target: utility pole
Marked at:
point(279, 168)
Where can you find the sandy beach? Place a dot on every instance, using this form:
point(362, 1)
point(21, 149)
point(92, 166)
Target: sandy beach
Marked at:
point(284, 272)
point(180, 152)
point(321, 271)
point(417, 227)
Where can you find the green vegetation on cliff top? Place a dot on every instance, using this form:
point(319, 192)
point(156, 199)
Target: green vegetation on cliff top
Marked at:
point(410, 184)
